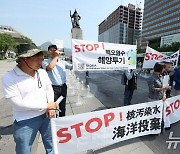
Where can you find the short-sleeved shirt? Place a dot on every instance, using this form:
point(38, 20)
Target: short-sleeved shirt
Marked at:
point(57, 75)
point(17, 83)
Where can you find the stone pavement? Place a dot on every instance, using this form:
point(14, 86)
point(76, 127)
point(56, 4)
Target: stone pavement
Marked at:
point(6, 139)
point(81, 100)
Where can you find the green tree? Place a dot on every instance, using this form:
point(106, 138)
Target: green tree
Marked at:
point(166, 48)
point(7, 42)
point(139, 50)
point(24, 39)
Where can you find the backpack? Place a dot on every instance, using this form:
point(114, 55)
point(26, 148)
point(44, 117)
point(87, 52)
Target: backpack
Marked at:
point(123, 79)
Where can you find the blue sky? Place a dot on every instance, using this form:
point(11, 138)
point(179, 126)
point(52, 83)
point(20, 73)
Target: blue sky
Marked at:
point(48, 20)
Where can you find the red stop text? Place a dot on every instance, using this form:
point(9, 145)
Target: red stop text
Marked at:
point(151, 56)
point(88, 47)
point(99, 123)
point(172, 107)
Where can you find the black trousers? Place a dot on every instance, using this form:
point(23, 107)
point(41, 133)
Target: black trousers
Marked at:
point(60, 91)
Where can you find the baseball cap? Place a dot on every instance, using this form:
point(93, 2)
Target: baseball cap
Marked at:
point(52, 46)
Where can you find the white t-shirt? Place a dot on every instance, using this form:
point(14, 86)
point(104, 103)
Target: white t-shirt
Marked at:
point(27, 98)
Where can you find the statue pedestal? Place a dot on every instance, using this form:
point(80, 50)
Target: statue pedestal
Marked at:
point(76, 33)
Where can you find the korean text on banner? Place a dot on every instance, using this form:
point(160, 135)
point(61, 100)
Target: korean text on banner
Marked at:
point(173, 59)
point(81, 132)
point(151, 57)
point(171, 111)
point(102, 56)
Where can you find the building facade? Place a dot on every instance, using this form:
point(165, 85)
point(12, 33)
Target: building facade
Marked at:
point(161, 19)
point(122, 26)
point(11, 31)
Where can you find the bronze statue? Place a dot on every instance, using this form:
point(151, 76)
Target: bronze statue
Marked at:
point(75, 19)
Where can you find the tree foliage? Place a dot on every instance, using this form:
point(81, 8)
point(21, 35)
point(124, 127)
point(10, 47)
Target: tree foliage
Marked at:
point(166, 48)
point(7, 42)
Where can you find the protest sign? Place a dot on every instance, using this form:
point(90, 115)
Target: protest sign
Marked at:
point(171, 111)
point(151, 57)
point(102, 56)
point(173, 59)
point(72, 134)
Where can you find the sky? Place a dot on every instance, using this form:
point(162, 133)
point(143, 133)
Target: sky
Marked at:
point(49, 20)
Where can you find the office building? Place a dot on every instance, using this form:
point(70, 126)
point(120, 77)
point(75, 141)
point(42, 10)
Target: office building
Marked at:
point(161, 22)
point(10, 31)
point(122, 26)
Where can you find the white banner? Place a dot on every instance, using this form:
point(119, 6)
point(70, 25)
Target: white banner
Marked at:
point(72, 134)
point(102, 56)
point(171, 111)
point(173, 59)
point(151, 57)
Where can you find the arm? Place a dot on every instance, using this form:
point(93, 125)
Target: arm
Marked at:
point(152, 86)
point(160, 89)
point(154, 90)
point(20, 105)
point(51, 65)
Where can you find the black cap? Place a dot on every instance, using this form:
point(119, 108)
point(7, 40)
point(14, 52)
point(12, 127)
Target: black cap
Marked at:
point(52, 46)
